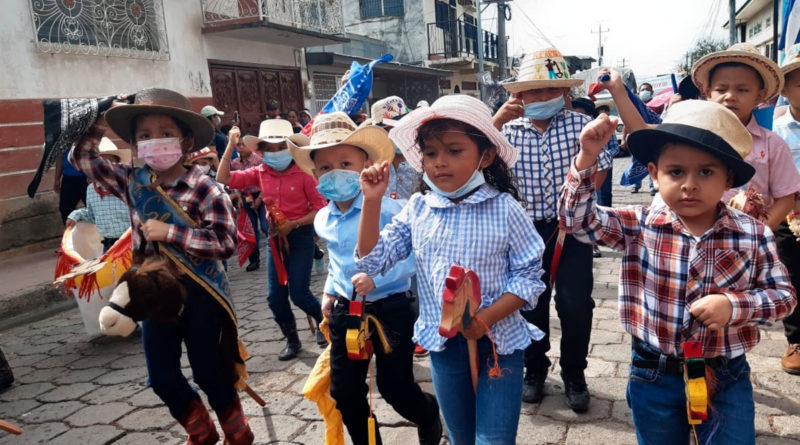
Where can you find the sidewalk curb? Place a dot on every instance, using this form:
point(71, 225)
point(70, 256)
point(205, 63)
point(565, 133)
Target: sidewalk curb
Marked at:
point(33, 304)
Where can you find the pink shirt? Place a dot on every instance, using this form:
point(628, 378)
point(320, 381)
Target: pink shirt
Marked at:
point(293, 190)
point(776, 175)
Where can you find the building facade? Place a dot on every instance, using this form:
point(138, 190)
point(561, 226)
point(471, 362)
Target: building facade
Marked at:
point(235, 54)
point(754, 24)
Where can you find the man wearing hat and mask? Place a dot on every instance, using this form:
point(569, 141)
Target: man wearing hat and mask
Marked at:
point(537, 123)
point(215, 117)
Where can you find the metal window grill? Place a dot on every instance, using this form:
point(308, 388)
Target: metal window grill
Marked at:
point(325, 86)
point(116, 28)
point(380, 8)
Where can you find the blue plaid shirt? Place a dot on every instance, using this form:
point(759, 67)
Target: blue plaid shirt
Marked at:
point(109, 213)
point(544, 159)
point(487, 232)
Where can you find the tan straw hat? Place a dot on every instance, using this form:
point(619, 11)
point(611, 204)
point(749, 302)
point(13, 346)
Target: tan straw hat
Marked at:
point(160, 101)
point(337, 128)
point(542, 69)
point(744, 53)
point(205, 152)
point(460, 107)
point(705, 125)
point(109, 148)
point(792, 60)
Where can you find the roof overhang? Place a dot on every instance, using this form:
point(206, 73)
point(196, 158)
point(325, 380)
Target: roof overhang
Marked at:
point(344, 61)
point(254, 29)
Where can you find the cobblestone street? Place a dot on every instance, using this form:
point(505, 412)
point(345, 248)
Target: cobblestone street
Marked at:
point(72, 391)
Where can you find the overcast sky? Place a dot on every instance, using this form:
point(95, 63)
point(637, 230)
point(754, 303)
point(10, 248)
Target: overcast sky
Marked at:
point(652, 35)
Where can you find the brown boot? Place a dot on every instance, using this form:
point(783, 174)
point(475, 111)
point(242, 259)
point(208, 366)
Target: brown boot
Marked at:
point(791, 360)
point(198, 425)
point(234, 425)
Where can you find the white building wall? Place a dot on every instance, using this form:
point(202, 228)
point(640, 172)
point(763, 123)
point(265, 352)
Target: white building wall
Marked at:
point(28, 73)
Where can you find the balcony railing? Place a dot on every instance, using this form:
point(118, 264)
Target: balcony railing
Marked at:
point(321, 16)
point(457, 38)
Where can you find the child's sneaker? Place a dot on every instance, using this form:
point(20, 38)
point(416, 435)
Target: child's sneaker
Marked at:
point(419, 351)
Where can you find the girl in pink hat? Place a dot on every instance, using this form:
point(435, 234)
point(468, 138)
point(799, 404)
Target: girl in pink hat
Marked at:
point(468, 214)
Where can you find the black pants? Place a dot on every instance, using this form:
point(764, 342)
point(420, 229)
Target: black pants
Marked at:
point(789, 254)
point(73, 190)
point(395, 376)
point(574, 304)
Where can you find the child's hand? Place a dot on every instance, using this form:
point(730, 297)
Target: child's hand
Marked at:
point(374, 180)
point(327, 304)
point(233, 136)
point(155, 230)
point(286, 229)
point(362, 284)
point(713, 310)
point(475, 330)
point(614, 83)
point(510, 110)
point(69, 223)
point(594, 137)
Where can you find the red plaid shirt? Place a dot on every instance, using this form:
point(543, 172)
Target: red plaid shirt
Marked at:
point(665, 269)
point(196, 193)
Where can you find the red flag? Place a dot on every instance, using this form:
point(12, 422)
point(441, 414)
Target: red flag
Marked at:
point(246, 237)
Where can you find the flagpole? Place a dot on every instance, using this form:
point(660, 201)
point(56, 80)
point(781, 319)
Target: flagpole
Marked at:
point(775, 24)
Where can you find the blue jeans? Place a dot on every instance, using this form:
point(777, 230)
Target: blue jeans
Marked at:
point(258, 218)
point(492, 415)
point(298, 264)
point(604, 194)
point(209, 337)
point(658, 402)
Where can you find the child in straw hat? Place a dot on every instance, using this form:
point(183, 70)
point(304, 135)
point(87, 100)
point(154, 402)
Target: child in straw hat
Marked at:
point(545, 133)
point(336, 155)
point(200, 232)
point(294, 193)
point(469, 215)
point(693, 270)
point(788, 128)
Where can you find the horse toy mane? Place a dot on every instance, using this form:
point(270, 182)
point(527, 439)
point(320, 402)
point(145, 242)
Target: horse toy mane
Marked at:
point(751, 203)
point(150, 290)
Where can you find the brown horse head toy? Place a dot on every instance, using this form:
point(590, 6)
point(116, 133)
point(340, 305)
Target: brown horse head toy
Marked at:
point(150, 290)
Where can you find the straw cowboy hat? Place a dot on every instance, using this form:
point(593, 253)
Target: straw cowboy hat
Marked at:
point(388, 111)
point(160, 101)
point(109, 148)
point(274, 131)
point(542, 69)
point(705, 125)
point(337, 128)
point(460, 107)
point(200, 154)
point(792, 60)
point(746, 54)
point(604, 103)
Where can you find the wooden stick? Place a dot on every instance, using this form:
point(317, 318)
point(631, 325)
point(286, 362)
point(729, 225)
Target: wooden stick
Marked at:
point(312, 325)
point(474, 365)
point(10, 427)
point(250, 392)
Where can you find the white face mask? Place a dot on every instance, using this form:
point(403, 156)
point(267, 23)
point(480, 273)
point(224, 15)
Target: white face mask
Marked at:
point(204, 169)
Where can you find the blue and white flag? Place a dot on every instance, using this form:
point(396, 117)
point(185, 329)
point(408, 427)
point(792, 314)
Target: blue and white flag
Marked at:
point(790, 31)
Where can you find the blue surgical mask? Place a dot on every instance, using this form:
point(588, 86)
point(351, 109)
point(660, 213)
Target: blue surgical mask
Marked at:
point(475, 181)
point(397, 150)
point(645, 95)
point(339, 185)
point(544, 110)
point(278, 160)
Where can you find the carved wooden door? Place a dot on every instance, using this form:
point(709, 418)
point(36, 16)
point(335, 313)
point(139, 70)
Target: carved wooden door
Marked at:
point(251, 109)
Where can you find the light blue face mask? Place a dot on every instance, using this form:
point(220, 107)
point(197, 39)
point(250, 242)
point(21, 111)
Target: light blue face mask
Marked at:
point(645, 95)
point(339, 185)
point(544, 110)
point(397, 150)
point(278, 160)
point(475, 181)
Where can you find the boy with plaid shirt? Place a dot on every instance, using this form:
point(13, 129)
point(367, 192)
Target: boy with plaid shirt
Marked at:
point(693, 269)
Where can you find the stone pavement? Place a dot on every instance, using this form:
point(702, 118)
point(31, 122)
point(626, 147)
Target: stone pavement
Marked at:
point(73, 391)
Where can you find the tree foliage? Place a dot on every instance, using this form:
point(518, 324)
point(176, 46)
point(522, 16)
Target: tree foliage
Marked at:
point(703, 46)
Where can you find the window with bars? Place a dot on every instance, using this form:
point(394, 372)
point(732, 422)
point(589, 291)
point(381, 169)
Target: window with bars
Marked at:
point(380, 8)
point(325, 86)
point(132, 28)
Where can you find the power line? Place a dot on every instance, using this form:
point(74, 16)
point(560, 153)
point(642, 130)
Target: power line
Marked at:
point(539, 31)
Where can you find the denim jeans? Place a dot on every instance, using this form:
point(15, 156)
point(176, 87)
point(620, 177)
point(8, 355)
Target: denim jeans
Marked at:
point(789, 254)
point(208, 334)
point(298, 264)
point(489, 417)
point(258, 218)
point(604, 194)
point(658, 402)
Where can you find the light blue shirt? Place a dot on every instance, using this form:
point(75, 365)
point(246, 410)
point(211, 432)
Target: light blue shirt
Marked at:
point(340, 231)
point(488, 232)
point(789, 130)
point(110, 214)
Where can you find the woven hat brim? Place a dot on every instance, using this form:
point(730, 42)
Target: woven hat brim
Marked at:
point(645, 145)
point(123, 154)
point(767, 69)
point(525, 85)
point(120, 119)
point(786, 69)
point(371, 139)
point(405, 133)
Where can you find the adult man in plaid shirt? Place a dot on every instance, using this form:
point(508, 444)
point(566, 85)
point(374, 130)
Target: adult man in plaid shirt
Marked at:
point(537, 124)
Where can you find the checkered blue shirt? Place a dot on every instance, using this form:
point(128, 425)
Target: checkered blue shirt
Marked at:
point(487, 232)
point(544, 159)
point(109, 213)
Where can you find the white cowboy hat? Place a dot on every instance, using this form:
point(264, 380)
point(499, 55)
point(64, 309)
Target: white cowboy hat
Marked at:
point(460, 107)
point(337, 128)
point(792, 60)
point(388, 111)
point(252, 142)
point(109, 148)
point(542, 69)
point(744, 53)
point(275, 131)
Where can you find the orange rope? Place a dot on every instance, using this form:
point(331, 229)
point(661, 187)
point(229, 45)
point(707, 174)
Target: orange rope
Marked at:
point(495, 371)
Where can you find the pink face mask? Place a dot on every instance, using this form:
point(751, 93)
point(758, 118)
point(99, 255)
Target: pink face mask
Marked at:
point(160, 154)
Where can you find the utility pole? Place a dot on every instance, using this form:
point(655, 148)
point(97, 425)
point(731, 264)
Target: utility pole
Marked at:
point(480, 47)
point(599, 33)
point(775, 14)
point(502, 44)
point(732, 20)
point(622, 64)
